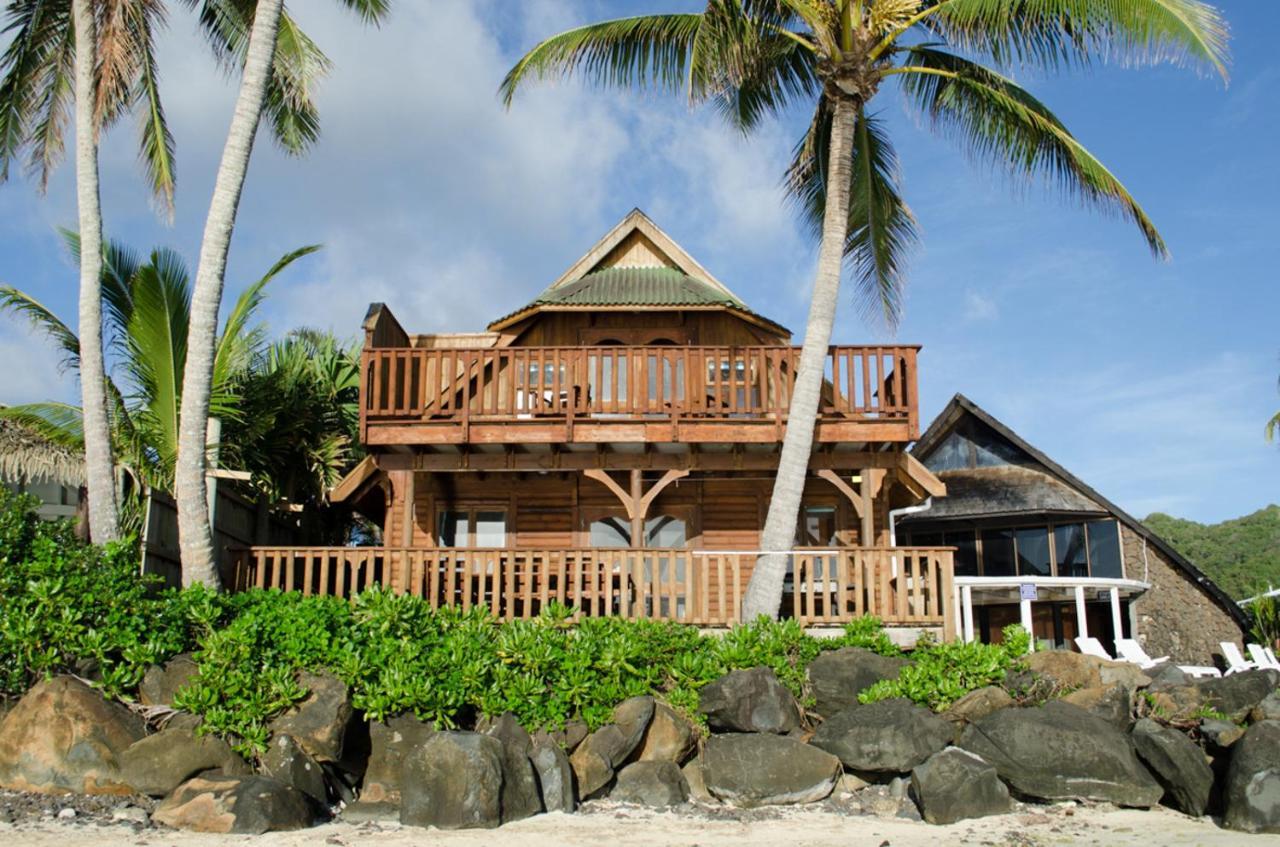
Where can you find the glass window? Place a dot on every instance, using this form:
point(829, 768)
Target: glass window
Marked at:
point(664, 531)
point(1069, 547)
point(926, 539)
point(611, 532)
point(1104, 550)
point(453, 529)
point(1033, 551)
point(817, 527)
point(966, 555)
point(997, 552)
point(491, 529)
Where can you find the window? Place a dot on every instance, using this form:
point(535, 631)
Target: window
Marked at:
point(1077, 550)
point(817, 527)
point(966, 555)
point(1104, 550)
point(1033, 551)
point(665, 531)
point(997, 552)
point(477, 526)
point(1068, 542)
point(612, 531)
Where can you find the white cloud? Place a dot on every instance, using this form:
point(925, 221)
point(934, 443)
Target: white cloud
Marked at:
point(31, 368)
point(979, 307)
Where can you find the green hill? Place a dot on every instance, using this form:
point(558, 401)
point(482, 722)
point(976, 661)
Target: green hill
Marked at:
point(1240, 555)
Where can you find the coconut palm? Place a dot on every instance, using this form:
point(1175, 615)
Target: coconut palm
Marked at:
point(757, 58)
point(195, 534)
point(147, 312)
point(100, 54)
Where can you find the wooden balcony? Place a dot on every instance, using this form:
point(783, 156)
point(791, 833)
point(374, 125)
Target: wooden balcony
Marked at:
point(686, 394)
point(903, 586)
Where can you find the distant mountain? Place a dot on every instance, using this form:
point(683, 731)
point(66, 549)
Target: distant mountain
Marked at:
point(1241, 555)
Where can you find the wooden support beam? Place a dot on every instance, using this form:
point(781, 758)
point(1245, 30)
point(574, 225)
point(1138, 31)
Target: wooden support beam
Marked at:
point(915, 469)
point(637, 512)
point(602, 457)
point(636, 502)
point(656, 489)
point(603, 477)
point(850, 493)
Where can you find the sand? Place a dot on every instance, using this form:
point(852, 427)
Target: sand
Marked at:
point(623, 826)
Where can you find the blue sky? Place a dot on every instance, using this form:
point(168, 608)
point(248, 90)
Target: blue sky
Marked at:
point(1150, 380)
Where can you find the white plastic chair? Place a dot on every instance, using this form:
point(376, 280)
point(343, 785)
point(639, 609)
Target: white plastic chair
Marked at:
point(1091, 646)
point(1272, 656)
point(1260, 658)
point(1131, 651)
point(1236, 661)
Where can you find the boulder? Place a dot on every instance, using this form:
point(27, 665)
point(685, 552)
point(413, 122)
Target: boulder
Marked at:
point(453, 781)
point(978, 704)
point(555, 776)
point(160, 683)
point(390, 741)
point(670, 738)
point(1252, 788)
point(1219, 735)
point(1168, 674)
point(657, 784)
point(520, 797)
point(1072, 670)
point(697, 783)
point(750, 701)
point(157, 764)
point(762, 769)
point(596, 758)
point(288, 763)
point(1060, 752)
point(633, 716)
point(1235, 696)
point(1267, 710)
point(1114, 704)
point(1177, 762)
point(890, 736)
point(249, 805)
point(321, 722)
point(954, 785)
point(837, 676)
point(63, 736)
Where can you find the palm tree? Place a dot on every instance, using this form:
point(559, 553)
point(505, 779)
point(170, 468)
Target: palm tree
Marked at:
point(755, 58)
point(195, 535)
point(102, 55)
point(147, 305)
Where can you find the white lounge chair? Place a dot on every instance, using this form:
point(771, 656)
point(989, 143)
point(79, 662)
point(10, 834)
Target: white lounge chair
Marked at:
point(1272, 656)
point(1260, 657)
point(1131, 651)
point(1236, 662)
point(1091, 646)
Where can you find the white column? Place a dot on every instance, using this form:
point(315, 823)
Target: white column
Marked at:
point(968, 613)
point(959, 616)
point(1115, 613)
point(1082, 623)
point(1026, 622)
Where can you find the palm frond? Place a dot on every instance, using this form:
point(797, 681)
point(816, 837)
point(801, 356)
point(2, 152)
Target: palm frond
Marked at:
point(999, 122)
point(780, 71)
point(38, 36)
point(26, 453)
point(44, 320)
point(238, 343)
point(156, 145)
point(1273, 426)
point(646, 50)
point(1050, 32)
point(52, 111)
point(60, 424)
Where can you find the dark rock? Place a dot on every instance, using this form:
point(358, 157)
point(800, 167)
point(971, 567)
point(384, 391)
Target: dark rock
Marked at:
point(760, 769)
point(1267, 710)
point(288, 763)
point(1060, 752)
point(390, 741)
point(1252, 788)
point(977, 704)
point(249, 805)
point(520, 798)
point(453, 781)
point(157, 764)
point(1071, 670)
point(890, 736)
point(670, 738)
point(750, 701)
point(1177, 763)
point(1168, 674)
point(321, 722)
point(555, 776)
point(633, 716)
point(694, 778)
point(160, 684)
point(63, 736)
point(954, 785)
point(657, 784)
point(1234, 695)
point(1219, 735)
point(1114, 705)
point(837, 676)
point(596, 759)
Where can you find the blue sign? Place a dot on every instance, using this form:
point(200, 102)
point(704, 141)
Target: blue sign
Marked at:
point(1028, 592)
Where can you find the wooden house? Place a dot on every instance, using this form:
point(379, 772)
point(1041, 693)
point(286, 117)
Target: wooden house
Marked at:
point(1036, 545)
point(611, 445)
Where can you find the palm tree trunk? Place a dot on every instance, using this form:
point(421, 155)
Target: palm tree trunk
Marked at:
point(103, 520)
point(195, 534)
point(764, 593)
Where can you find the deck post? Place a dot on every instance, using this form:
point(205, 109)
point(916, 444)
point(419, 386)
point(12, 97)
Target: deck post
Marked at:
point(1116, 622)
point(637, 514)
point(1025, 609)
point(967, 606)
point(1082, 622)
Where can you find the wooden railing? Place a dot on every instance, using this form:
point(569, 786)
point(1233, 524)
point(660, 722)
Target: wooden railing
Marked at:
point(902, 585)
point(515, 383)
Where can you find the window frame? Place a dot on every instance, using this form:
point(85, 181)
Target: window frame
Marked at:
point(471, 510)
point(1050, 528)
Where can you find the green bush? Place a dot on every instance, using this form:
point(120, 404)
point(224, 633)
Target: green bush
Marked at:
point(940, 674)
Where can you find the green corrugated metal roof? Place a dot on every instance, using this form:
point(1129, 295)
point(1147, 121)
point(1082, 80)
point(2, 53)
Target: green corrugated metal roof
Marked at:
point(637, 287)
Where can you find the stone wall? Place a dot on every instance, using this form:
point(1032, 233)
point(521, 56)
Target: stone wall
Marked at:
point(1175, 617)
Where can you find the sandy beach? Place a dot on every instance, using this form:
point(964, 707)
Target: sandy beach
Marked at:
point(622, 826)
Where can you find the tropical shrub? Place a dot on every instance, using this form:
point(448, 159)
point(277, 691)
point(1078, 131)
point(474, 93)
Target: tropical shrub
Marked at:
point(942, 673)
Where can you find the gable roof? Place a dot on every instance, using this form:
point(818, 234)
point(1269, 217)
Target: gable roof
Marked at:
point(961, 406)
point(638, 265)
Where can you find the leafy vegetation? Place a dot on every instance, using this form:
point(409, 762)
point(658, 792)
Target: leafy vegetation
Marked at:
point(1241, 555)
point(942, 673)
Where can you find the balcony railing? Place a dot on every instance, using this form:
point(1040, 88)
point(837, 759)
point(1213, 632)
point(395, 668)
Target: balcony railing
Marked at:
point(910, 586)
point(619, 383)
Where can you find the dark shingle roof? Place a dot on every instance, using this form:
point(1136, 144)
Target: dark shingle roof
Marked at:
point(637, 287)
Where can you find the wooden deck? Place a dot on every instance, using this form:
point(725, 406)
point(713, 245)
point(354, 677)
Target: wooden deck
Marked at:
point(903, 586)
point(687, 394)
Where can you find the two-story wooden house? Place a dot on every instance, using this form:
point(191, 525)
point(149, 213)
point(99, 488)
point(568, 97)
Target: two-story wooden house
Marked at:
point(611, 445)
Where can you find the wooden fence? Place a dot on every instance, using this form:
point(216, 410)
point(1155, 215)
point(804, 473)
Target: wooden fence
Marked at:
point(901, 586)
